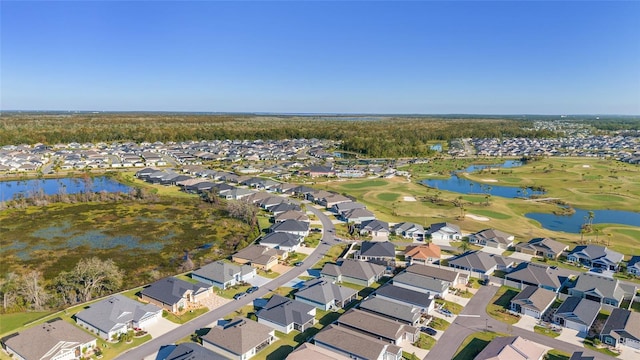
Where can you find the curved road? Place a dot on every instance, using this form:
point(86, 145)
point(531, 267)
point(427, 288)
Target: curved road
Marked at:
point(152, 346)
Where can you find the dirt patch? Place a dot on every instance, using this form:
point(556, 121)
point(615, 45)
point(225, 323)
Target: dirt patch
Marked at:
point(281, 269)
point(409, 198)
point(477, 218)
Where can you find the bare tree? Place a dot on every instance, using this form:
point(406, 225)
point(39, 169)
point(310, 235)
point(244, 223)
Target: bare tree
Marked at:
point(91, 277)
point(32, 290)
point(9, 290)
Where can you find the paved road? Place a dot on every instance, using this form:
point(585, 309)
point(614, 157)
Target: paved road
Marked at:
point(464, 326)
point(152, 346)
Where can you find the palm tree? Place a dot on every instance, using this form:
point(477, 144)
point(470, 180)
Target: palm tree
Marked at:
point(464, 246)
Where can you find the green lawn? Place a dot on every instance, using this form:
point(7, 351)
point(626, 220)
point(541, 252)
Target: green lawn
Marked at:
point(425, 342)
point(331, 255)
point(185, 317)
point(360, 184)
point(491, 214)
point(451, 306)
point(499, 304)
point(385, 196)
point(588, 343)
point(12, 322)
point(474, 343)
point(554, 354)
point(545, 331)
point(439, 324)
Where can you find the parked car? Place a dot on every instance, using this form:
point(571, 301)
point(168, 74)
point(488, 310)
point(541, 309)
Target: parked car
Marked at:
point(239, 295)
point(428, 331)
point(299, 263)
point(252, 289)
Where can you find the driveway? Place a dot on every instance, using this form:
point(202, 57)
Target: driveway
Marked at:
point(280, 269)
point(521, 256)
point(526, 322)
point(491, 250)
point(629, 353)
point(571, 336)
point(258, 280)
point(161, 327)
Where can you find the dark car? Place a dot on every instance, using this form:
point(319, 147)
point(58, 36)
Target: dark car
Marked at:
point(428, 331)
point(299, 263)
point(252, 289)
point(239, 295)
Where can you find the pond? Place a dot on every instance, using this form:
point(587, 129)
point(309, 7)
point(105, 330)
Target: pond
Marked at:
point(574, 222)
point(464, 186)
point(9, 189)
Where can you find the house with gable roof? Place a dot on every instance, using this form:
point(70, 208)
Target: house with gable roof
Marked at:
point(116, 315)
point(546, 277)
point(426, 285)
point(603, 289)
point(633, 266)
point(577, 313)
point(596, 256)
point(285, 314)
point(533, 301)
point(422, 254)
point(357, 216)
point(405, 296)
point(55, 339)
point(492, 238)
point(380, 252)
point(356, 345)
point(282, 241)
point(259, 256)
point(378, 327)
point(239, 339)
point(173, 294)
point(444, 231)
point(409, 230)
point(622, 329)
point(378, 229)
point(480, 264)
point(325, 295)
point(353, 271)
point(512, 348)
point(222, 274)
point(290, 226)
point(542, 247)
point(396, 311)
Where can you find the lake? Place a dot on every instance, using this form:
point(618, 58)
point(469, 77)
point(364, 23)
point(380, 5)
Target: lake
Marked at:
point(9, 189)
point(464, 186)
point(573, 223)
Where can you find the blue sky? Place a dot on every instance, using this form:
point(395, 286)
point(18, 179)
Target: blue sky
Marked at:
point(505, 57)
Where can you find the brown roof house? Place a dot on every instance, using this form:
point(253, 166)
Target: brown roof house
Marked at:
point(55, 339)
point(492, 238)
point(379, 327)
point(533, 301)
point(543, 247)
point(259, 256)
point(422, 254)
point(356, 345)
point(239, 339)
point(512, 348)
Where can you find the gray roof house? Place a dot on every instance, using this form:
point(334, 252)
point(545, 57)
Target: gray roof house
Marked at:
point(533, 301)
point(444, 231)
point(602, 289)
point(577, 313)
point(291, 215)
point(380, 252)
point(325, 295)
point(405, 296)
point(116, 315)
point(378, 229)
point(356, 345)
point(426, 285)
point(173, 294)
point(512, 348)
point(357, 216)
point(409, 230)
point(622, 328)
point(343, 207)
point(403, 313)
point(284, 207)
point(444, 274)
point(596, 256)
point(55, 339)
point(239, 339)
point(191, 351)
point(531, 274)
point(285, 314)
point(543, 247)
point(492, 238)
point(222, 274)
point(291, 226)
point(353, 271)
point(480, 263)
point(379, 327)
point(633, 265)
point(282, 241)
point(308, 351)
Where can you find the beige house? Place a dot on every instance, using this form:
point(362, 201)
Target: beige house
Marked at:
point(259, 256)
point(240, 339)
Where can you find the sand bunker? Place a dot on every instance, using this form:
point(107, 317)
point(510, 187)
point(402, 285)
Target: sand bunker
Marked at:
point(489, 180)
point(409, 198)
point(586, 166)
point(478, 218)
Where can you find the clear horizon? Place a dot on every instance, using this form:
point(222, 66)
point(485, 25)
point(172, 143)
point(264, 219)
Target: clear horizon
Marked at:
point(313, 57)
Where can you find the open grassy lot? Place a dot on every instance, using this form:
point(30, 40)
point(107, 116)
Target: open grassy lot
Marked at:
point(500, 303)
point(612, 185)
point(544, 331)
point(554, 354)
point(9, 322)
point(474, 343)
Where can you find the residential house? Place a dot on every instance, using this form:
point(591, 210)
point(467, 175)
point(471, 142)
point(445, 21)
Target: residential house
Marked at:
point(378, 327)
point(239, 339)
point(396, 311)
point(426, 285)
point(325, 295)
point(409, 230)
point(174, 295)
point(357, 216)
point(285, 314)
point(603, 289)
point(406, 296)
point(284, 207)
point(492, 238)
point(452, 277)
point(480, 263)
point(577, 313)
point(353, 271)
point(259, 256)
point(356, 345)
point(222, 274)
point(294, 227)
point(531, 274)
point(542, 247)
point(596, 256)
point(512, 348)
point(444, 231)
point(309, 351)
point(282, 241)
point(55, 339)
point(622, 328)
point(378, 252)
point(190, 351)
point(533, 301)
point(378, 229)
point(334, 199)
point(291, 215)
point(343, 207)
point(317, 171)
point(316, 195)
point(116, 315)
point(422, 254)
point(633, 266)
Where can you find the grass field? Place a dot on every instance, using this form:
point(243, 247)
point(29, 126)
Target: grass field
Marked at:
point(474, 343)
point(500, 302)
point(616, 186)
